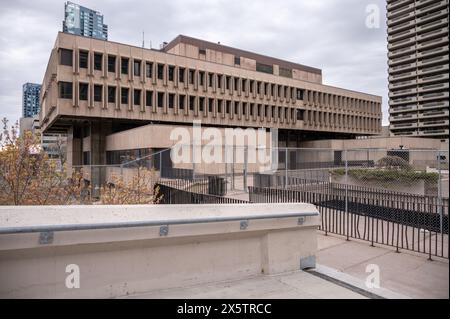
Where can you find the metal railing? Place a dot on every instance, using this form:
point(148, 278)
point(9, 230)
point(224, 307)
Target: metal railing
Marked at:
point(162, 222)
point(173, 195)
point(404, 221)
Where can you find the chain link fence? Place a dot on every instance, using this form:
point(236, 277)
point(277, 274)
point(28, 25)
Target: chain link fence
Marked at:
point(396, 197)
point(393, 197)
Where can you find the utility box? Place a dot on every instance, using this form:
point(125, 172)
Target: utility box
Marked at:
point(217, 186)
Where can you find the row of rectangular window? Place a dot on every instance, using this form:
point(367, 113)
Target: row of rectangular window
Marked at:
point(222, 105)
point(65, 89)
point(229, 107)
point(66, 58)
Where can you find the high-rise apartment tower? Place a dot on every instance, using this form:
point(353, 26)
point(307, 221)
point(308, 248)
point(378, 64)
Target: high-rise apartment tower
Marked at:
point(30, 99)
point(418, 67)
point(80, 20)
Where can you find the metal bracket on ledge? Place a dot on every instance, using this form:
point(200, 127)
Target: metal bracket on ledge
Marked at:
point(244, 224)
point(46, 238)
point(164, 230)
point(301, 220)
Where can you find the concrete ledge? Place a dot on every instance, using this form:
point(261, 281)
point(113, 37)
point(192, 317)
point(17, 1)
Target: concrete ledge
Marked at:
point(251, 239)
point(358, 284)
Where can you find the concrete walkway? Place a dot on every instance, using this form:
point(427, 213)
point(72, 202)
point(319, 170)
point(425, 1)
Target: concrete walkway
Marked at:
point(407, 273)
point(295, 285)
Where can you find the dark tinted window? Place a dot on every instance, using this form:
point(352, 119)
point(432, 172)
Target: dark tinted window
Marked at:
point(137, 97)
point(137, 68)
point(98, 93)
point(111, 63)
point(285, 72)
point(160, 71)
point(210, 79)
point(171, 100)
point(201, 104)
point(191, 76)
point(98, 61)
point(65, 57)
point(191, 102)
point(181, 101)
point(264, 68)
point(148, 69)
point(149, 98)
point(171, 72)
point(124, 95)
point(210, 105)
point(87, 158)
point(181, 74)
point(84, 55)
point(111, 94)
point(160, 99)
point(84, 87)
point(65, 90)
point(124, 65)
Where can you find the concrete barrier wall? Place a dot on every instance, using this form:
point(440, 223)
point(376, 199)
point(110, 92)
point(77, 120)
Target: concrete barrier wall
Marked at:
point(114, 262)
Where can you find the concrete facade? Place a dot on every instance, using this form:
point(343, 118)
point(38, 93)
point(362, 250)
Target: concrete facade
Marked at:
point(420, 152)
point(129, 260)
point(418, 67)
point(91, 83)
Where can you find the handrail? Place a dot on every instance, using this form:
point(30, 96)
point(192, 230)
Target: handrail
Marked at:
point(72, 227)
point(145, 157)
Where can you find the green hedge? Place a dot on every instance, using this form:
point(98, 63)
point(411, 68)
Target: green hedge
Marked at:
point(386, 175)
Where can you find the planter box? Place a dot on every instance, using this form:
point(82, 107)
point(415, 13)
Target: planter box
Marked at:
point(419, 187)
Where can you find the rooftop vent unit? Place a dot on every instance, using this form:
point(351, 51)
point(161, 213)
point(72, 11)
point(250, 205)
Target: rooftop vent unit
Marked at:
point(163, 45)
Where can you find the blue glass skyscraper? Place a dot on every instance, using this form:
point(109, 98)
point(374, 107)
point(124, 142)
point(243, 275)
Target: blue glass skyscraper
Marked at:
point(84, 21)
point(30, 99)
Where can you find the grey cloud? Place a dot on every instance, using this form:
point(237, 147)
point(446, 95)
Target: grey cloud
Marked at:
point(328, 34)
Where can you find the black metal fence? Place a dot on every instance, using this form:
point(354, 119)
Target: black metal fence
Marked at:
point(177, 173)
point(405, 221)
point(171, 194)
point(283, 179)
point(328, 164)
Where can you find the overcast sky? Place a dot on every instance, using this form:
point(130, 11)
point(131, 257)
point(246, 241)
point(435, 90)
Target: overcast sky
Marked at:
point(328, 34)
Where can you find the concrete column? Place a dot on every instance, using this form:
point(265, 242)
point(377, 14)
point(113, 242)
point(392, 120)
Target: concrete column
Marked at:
point(99, 130)
point(74, 149)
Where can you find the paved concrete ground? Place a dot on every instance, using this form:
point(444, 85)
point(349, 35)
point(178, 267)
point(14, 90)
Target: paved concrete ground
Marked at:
point(295, 285)
point(406, 273)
